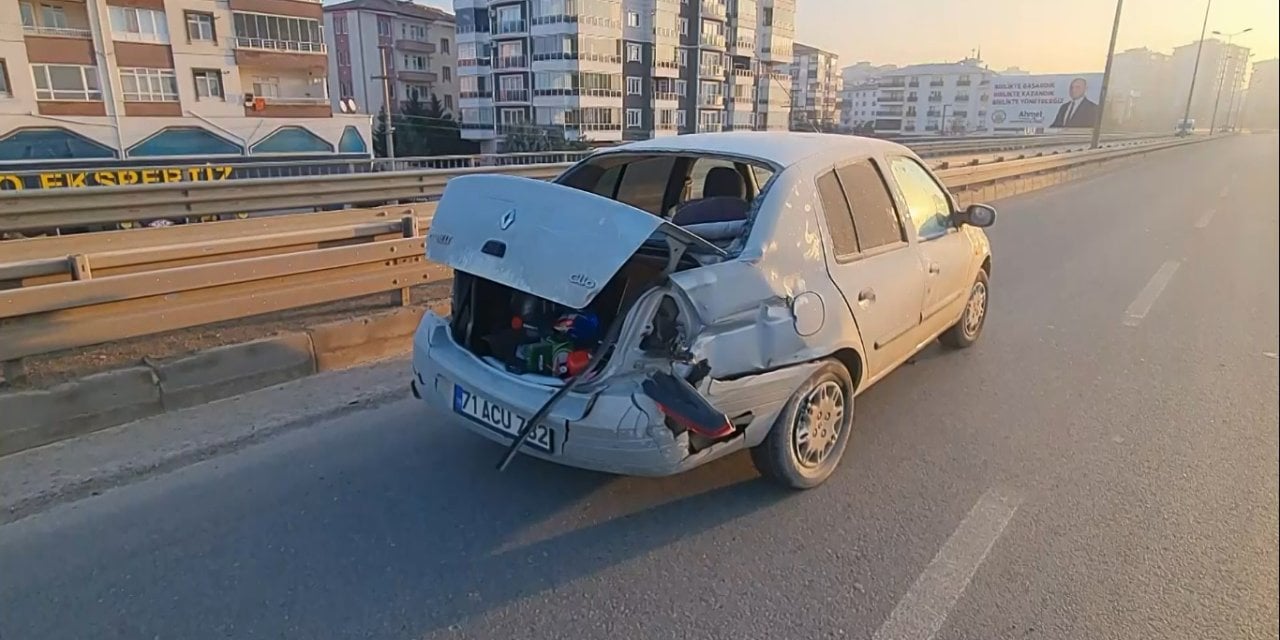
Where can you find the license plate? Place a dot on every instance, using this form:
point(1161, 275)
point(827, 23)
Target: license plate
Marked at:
point(498, 418)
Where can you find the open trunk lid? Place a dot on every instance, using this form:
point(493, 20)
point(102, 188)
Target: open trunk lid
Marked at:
point(542, 238)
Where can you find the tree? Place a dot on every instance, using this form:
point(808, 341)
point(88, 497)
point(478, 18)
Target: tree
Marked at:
point(380, 134)
point(421, 129)
point(532, 138)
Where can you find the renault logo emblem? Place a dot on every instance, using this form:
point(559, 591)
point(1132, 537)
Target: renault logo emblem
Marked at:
point(507, 219)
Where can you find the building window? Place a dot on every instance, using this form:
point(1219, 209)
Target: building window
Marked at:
point(50, 143)
point(208, 83)
point(634, 52)
point(5, 88)
point(53, 17)
point(259, 31)
point(345, 89)
point(340, 24)
point(633, 118)
point(184, 141)
point(682, 87)
point(384, 26)
point(444, 45)
point(446, 73)
point(200, 27)
point(684, 26)
point(344, 57)
point(415, 63)
point(680, 118)
point(149, 85)
point(28, 14)
point(139, 24)
point(448, 102)
point(633, 19)
point(266, 86)
point(291, 139)
point(66, 82)
point(682, 57)
point(633, 86)
point(351, 141)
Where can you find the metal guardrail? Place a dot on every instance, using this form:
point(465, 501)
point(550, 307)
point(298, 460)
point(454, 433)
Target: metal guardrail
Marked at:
point(78, 208)
point(73, 291)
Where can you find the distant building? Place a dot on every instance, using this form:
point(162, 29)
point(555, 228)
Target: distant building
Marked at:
point(858, 106)
point(122, 80)
point(419, 44)
point(1261, 111)
point(1221, 74)
point(928, 99)
point(1015, 71)
point(857, 93)
point(1141, 96)
point(815, 88)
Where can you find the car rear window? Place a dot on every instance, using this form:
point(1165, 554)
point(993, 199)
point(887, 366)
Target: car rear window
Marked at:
point(836, 210)
point(874, 216)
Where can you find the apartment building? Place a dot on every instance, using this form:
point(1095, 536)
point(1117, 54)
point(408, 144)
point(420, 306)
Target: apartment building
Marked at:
point(123, 79)
point(418, 43)
point(611, 70)
point(927, 99)
point(1141, 96)
point(1261, 106)
point(1220, 75)
point(815, 88)
point(858, 106)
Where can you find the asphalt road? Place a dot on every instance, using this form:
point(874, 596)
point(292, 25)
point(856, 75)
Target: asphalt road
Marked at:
point(1103, 464)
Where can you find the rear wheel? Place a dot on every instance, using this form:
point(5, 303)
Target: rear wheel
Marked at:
point(965, 332)
point(811, 433)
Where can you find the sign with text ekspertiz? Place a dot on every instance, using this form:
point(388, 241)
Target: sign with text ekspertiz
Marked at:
point(1057, 101)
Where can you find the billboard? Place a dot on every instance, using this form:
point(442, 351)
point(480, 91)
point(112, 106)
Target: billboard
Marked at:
point(1056, 101)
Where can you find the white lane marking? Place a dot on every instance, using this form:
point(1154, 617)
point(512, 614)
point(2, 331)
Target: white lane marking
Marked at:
point(1147, 297)
point(922, 611)
point(1205, 219)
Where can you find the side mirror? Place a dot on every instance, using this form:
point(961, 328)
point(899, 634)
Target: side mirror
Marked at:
point(978, 215)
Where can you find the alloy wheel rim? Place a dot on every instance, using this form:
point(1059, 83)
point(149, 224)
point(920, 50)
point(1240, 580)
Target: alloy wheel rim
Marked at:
point(976, 310)
point(819, 424)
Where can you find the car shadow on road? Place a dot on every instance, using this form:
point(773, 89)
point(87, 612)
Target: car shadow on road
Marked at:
point(541, 526)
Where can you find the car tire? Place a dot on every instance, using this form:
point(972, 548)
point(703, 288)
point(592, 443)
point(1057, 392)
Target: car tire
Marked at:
point(968, 328)
point(810, 434)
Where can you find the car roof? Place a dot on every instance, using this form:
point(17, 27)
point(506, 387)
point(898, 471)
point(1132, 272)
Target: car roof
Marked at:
point(782, 148)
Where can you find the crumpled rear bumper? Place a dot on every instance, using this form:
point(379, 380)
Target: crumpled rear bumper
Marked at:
point(615, 429)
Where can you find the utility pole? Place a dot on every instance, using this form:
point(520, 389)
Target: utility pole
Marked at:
point(1195, 70)
point(388, 131)
point(1106, 78)
point(1222, 78)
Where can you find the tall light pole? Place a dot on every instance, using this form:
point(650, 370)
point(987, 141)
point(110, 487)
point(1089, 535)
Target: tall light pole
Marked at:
point(1195, 70)
point(1222, 78)
point(1233, 116)
point(1106, 78)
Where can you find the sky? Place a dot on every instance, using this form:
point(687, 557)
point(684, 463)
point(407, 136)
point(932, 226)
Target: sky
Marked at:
point(1042, 36)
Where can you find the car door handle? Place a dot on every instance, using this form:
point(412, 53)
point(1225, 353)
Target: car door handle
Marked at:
point(935, 268)
point(867, 295)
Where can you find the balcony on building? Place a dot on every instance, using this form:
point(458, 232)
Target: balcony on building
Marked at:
point(962, 97)
point(963, 82)
point(510, 62)
point(271, 93)
point(280, 43)
point(417, 76)
point(936, 83)
point(416, 46)
point(714, 9)
point(511, 95)
point(509, 28)
point(711, 70)
point(711, 100)
point(713, 40)
point(891, 96)
point(55, 20)
point(893, 83)
point(935, 97)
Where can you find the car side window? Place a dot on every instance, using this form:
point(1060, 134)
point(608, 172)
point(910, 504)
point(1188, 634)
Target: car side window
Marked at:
point(928, 207)
point(836, 210)
point(875, 218)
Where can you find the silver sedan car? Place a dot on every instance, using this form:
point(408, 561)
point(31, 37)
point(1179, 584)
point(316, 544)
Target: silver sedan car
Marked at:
point(665, 303)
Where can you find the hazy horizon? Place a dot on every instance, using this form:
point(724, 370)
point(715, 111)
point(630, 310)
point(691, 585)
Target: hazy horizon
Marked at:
point(1036, 36)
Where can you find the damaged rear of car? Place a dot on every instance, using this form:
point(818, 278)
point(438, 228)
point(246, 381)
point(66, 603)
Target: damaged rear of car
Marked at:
point(638, 315)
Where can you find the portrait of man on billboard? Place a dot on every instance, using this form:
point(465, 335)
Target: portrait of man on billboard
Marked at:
point(1078, 110)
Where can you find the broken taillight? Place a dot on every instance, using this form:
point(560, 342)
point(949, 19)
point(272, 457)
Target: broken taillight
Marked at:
point(682, 404)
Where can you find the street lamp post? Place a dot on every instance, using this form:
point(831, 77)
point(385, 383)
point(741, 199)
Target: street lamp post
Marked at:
point(1195, 70)
point(1222, 78)
point(1106, 78)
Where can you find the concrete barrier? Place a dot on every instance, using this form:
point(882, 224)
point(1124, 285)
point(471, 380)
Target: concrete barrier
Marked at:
point(228, 371)
point(37, 417)
point(343, 344)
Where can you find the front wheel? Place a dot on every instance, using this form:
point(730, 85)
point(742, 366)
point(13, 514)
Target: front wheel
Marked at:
point(965, 332)
point(811, 433)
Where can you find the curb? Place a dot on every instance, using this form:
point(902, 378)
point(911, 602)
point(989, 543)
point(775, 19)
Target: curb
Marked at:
point(38, 417)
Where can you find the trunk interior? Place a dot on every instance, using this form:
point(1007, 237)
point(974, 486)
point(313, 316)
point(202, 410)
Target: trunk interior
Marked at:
point(528, 335)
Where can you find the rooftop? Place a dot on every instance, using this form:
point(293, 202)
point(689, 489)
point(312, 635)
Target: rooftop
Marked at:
point(783, 148)
point(938, 69)
point(404, 8)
